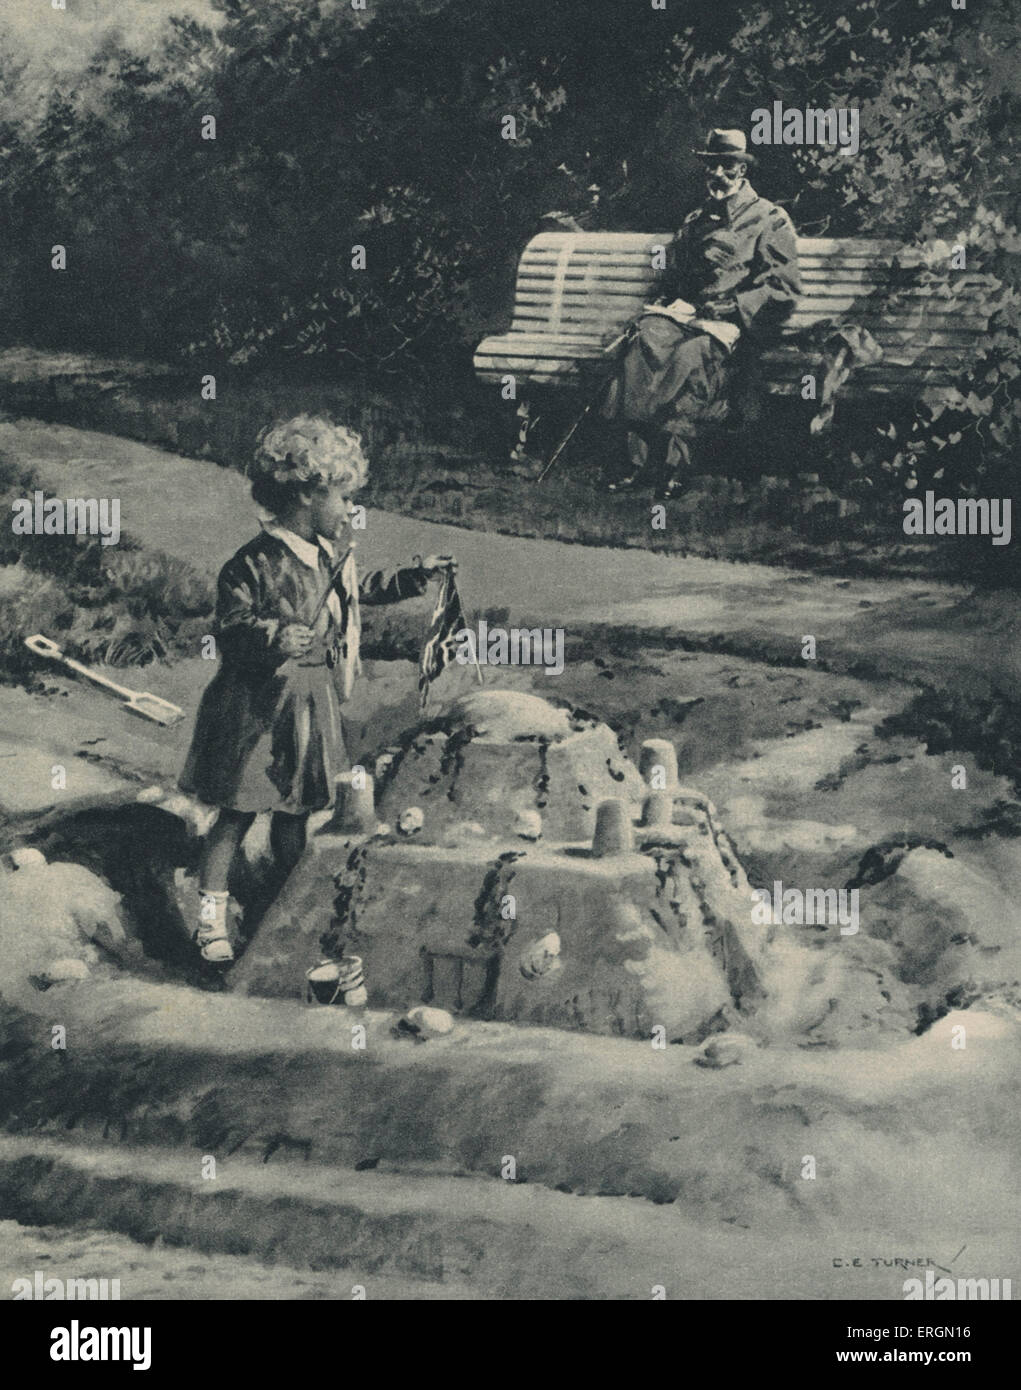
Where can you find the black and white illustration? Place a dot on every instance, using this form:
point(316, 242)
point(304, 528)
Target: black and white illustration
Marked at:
point(510, 745)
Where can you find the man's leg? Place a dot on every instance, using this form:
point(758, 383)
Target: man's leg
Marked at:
point(701, 368)
point(673, 463)
point(635, 398)
point(668, 381)
point(638, 460)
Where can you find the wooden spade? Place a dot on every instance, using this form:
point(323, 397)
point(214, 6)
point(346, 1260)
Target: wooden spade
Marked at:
point(135, 702)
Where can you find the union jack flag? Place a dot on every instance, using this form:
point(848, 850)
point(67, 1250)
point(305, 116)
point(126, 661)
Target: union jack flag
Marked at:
point(438, 649)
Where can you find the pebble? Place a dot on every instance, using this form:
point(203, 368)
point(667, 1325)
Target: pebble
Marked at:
point(728, 1050)
point(528, 824)
point(23, 858)
point(411, 820)
point(427, 1023)
point(67, 968)
point(541, 958)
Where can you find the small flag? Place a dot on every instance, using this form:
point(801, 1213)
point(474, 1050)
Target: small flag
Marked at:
point(438, 649)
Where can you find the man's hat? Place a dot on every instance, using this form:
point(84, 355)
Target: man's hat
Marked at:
point(726, 144)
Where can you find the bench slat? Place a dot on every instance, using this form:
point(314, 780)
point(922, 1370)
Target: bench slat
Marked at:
point(624, 255)
point(776, 362)
point(948, 330)
point(532, 317)
point(938, 304)
point(823, 288)
point(895, 356)
point(795, 358)
point(913, 306)
point(880, 275)
point(828, 246)
point(896, 373)
point(531, 331)
point(642, 257)
point(858, 387)
point(580, 352)
point(623, 240)
point(953, 327)
point(634, 278)
point(592, 289)
point(639, 291)
point(624, 275)
point(598, 240)
point(554, 341)
point(781, 369)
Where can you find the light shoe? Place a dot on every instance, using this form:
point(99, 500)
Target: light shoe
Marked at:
point(634, 482)
point(211, 936)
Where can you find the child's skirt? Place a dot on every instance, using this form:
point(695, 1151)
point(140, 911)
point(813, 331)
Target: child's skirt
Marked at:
point(268, 742)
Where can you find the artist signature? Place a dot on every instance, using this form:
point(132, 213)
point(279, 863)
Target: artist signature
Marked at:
point(885, 1262)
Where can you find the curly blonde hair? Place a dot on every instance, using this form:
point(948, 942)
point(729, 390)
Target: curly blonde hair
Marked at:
point(307, 451)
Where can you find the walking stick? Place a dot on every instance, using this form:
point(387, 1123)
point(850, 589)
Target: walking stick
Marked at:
point(612, 348)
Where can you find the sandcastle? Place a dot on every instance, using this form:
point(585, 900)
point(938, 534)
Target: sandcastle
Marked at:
point(541, 879)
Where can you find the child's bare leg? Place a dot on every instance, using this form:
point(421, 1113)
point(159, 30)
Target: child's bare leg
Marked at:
point(287, 835)
point(219, 848)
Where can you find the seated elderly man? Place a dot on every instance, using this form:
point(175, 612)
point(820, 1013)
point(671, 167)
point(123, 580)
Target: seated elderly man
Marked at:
point(731, 280)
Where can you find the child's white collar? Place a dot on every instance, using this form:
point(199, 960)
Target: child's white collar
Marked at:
point(306, 551)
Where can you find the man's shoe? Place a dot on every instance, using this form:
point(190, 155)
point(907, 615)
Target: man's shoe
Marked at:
point(525, 466)
point(670, 490)
point(632, 483)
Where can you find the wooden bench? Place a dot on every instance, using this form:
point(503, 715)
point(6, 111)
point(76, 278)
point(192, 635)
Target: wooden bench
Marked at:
point(577, 290)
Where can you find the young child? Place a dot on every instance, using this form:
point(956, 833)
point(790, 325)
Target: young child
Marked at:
point(268, 735)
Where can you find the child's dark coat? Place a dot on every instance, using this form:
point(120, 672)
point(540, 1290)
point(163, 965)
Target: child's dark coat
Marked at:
point(268, 735)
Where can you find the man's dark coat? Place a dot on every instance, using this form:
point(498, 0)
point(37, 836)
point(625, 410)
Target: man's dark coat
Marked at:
point(741, 251)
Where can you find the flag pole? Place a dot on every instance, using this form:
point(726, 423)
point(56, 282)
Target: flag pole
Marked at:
point(478, 668)
point(334, 576)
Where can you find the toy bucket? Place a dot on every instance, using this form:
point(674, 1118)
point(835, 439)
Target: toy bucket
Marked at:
point(333, 980)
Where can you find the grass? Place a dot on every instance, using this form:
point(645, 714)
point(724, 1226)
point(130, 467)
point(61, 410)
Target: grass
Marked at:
point(439, 452)
point(120, 605)
point(117, 605)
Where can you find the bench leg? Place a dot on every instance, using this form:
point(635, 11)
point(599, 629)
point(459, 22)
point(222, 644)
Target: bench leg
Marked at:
point(527, 422)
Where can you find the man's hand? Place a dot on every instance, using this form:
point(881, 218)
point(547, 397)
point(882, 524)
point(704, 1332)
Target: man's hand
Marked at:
point(294, 639)
point(432, 565)
point(718, 309)
point(728, 333)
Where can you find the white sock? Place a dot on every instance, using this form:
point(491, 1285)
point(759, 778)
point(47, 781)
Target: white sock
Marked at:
point(213, 912)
